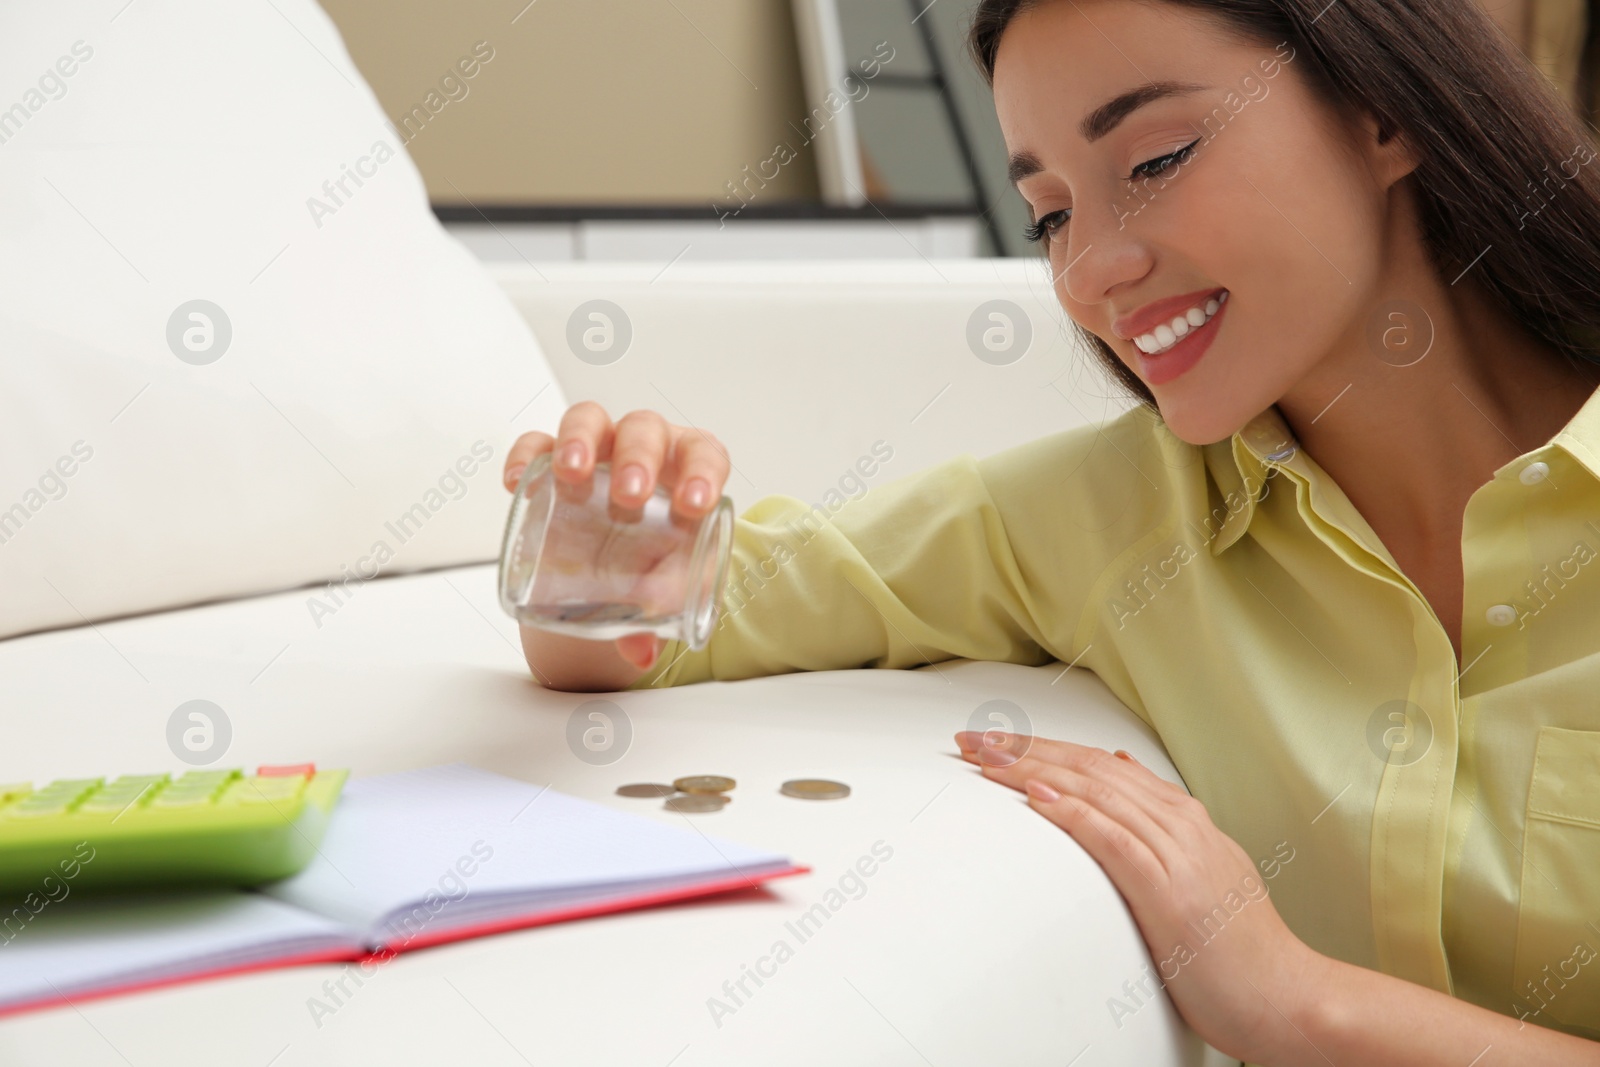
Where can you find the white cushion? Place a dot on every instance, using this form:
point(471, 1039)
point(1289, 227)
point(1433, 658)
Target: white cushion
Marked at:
point(424, 669)
point(160, 154)
point(801, 367)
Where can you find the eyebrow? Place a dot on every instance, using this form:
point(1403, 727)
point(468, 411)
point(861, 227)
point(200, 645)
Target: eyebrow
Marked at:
point(1105, 118)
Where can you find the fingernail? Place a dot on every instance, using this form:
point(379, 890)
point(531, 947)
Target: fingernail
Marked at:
point(514, 475)
point(1041, 791)
point(1123, 754)
point(571, 456)
point(632, 480)
point(996, 757)
point(697, 494)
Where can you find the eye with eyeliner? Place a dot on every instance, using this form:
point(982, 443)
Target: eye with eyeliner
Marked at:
point(1048, 224)
point(1162, 164)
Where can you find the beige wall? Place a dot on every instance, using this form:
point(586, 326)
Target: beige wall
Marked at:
point(587, 101)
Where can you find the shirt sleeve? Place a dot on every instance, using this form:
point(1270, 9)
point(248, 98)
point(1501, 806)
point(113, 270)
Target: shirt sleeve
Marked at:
point(914, 571)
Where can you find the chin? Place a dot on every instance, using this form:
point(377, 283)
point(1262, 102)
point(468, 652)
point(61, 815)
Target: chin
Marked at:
point(1198, 423)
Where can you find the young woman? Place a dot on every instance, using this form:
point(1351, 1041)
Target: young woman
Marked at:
point(1341, 558)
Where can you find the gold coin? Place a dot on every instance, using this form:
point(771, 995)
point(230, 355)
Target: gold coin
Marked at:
point(814, 789)
point(697, 802)
point(645, 789)
point(704, 783)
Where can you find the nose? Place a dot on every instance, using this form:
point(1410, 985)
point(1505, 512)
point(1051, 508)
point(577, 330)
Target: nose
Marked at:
point(1104, 251)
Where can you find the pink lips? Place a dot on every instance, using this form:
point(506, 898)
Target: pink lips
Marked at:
point(1157, 312)
point(1177, 360)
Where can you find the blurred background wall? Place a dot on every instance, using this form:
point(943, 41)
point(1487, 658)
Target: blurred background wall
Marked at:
point(587, 101)
point(621, 128)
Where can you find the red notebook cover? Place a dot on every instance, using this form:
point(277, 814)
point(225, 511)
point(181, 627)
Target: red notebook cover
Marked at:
point(710, 887)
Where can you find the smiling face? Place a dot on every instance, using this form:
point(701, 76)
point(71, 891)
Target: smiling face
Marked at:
point(1234, 176)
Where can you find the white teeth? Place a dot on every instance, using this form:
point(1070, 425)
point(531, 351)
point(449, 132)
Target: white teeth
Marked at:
point(1168, 334)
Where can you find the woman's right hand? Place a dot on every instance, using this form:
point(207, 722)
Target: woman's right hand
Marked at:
point(644, 450)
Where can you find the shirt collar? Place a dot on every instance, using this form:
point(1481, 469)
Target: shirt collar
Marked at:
point(1580, 437)
point(1242, 464)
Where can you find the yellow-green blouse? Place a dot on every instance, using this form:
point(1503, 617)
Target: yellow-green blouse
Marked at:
point(1445, 825)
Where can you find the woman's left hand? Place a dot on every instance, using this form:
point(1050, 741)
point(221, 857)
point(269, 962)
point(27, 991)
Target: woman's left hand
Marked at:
point(1234, 970)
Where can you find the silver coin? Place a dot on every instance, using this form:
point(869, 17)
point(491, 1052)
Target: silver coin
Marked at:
point(645, 789)
point(596, 611)
point(697, 802)
point(814, 789)
point(704, 783)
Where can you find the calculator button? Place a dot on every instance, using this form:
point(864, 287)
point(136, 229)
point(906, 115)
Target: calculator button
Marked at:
point(195, 787)
point(180, 798)
point(35, 806)
point(107, 803)
point(286, 770)
point(210, 779)
point(123, 793)
point(54, 799)
point(134, 782)
point(275, 791)
point(133, 785)
point(73, 787)
point(175, 793)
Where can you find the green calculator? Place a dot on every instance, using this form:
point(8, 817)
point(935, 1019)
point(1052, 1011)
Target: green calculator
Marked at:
point(204, 828)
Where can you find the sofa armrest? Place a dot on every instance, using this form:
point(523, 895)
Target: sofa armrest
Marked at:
point(799, 367)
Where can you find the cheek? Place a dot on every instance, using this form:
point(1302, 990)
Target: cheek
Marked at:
point(1332, 257)
point(1296, 232)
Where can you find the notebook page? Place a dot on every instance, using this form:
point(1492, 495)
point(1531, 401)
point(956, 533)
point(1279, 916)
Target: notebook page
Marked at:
point(83, 943)
point(459, 840)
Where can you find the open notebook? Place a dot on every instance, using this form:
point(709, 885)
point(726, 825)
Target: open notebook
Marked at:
point(410, 859)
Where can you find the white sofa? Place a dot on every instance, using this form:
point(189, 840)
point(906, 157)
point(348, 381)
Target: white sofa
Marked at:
point(369, 357)
point(990, 937)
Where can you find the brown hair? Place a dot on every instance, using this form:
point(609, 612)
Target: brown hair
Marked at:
point(1485, 125)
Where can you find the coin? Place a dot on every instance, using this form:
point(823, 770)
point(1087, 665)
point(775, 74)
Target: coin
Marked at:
point(591, 611)
point(697, 802)
point(814, 789)
point(704, 783)
point(645, 789)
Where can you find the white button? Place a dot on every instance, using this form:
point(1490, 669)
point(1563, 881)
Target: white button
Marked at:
point(1501, 615)
point(1534, 473)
